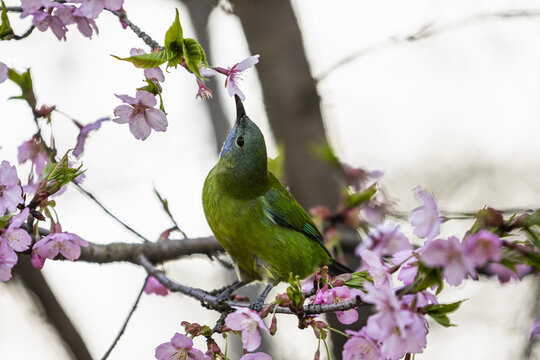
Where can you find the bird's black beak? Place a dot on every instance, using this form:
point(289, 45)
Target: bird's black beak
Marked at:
point(240, 112)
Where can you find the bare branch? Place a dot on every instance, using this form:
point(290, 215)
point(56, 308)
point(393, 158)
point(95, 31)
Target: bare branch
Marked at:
point(153, 251)
point(121, 14)
point(121, 332)
point(210, 301)
point(426, 31)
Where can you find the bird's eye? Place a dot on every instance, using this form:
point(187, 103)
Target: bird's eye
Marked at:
point(240, 141)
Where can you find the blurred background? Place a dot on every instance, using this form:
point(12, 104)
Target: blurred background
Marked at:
point(441, 94)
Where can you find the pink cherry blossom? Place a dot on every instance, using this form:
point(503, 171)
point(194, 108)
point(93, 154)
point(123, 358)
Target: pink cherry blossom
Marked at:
point(378, 271)
point(3, 72)
point(203, 92)
point(233, 74)
point(256, 356)
point(408, 265)
point(336, 295)
point(386, 239)
point(36, 260)
point(399, 329)
point(32, 5)
point(69, 14)
point(504, 274)
point(83, 135)
point(411, 339)
point(180, 347)
point(17, 238)
point(140, 114)
point(67, 244)
point(10, 190)
point(151, 74)
point(44, 20)
point(482, 247)
point(249, 323)
point(361, 347)
point(450, 255)
point(426, 219)
point(8, 259)
point(92, 8)
point(34, 151)
point(153, 286)
point(343, 293)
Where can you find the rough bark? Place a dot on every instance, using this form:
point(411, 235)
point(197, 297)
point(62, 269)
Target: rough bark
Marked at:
point(291, 99)
point(35, 282)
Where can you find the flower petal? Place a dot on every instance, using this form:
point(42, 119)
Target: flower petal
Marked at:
point(146, 98)
point(247, 63)
point(180, 341)
point(139, 128)
point(156, 119)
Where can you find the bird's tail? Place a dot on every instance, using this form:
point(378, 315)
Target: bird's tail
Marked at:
point(335, 268)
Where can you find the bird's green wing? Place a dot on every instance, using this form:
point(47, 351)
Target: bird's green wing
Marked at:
point(281, 208)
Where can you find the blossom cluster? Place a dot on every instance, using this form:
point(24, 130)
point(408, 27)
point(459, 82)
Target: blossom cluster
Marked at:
point(15, 238)
point(57, 16)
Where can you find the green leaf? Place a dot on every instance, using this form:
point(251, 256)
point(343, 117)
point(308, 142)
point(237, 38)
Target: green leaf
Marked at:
point(294, 292)
point(59, 174)
point(148, 61)
point(439, 312)
point(442, 319)
point(175, 61)
point(428, 277)
point(6, 32)
point(533, 259)
point(24, 81)
point(358, 279)
point(355, 199)
point(194, 55)
point(533, 235)
point(174, 36)
point(532, 219)
point(443, 308)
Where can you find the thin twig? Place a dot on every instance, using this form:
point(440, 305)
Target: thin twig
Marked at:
point(165, 205)
point(26, 34)
point(121, 14)
point(426, 31)
point(108, 212)
point(121, 332)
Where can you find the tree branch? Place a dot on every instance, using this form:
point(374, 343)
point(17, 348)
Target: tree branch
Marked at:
point(426, 31)
point(210, 301)
point(121, 332)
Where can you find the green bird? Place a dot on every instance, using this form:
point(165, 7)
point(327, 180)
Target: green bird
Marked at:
point(267, 234)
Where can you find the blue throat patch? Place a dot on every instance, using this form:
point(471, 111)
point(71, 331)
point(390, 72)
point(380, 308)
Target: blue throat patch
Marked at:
point(228, 142)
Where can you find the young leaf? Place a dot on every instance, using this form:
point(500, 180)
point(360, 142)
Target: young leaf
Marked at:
point(355, 199)
point(24, 80)
point(6, 32)
point(148, 61)
point(442, 319)
point(358, 279)
point(439, 312)
point(194, 55)
point(174, 36)
point(59, 174)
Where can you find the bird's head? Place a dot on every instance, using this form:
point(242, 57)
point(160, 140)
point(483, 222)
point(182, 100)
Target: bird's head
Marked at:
point(243, 156)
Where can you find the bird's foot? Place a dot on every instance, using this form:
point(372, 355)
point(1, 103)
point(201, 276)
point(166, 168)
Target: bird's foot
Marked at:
point(258, 304)
point(225, 293)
